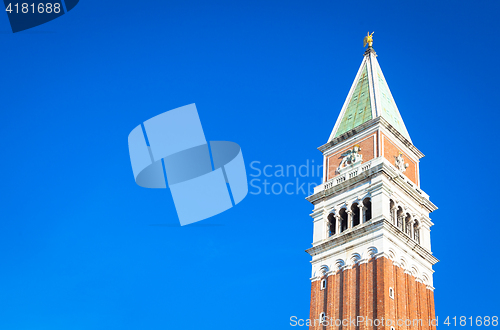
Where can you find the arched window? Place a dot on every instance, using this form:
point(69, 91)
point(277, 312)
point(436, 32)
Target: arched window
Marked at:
point(393, 212)
point(400, 215)
point(416, 232)
point(343, 215)
point(408, 224)
point(332, 224)
point(368, 211)
point(323, 284)
point(322, 318)
point(355, 214)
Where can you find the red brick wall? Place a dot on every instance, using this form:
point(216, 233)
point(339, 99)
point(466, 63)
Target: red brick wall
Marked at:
point(315, 294)
point(363, 290)
point(391, 151)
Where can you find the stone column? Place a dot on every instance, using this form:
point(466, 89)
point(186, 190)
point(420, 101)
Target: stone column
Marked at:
point(350, 218)
point(339, 223)
point(362, 215)
point(418, 230)
point(410, 223)
point(400, 219)
point(394, 213)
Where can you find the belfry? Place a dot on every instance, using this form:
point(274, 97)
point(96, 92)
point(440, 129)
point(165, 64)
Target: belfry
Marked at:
point(371, 251)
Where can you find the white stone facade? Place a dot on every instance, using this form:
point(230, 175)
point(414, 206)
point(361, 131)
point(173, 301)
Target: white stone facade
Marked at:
point(392, 196)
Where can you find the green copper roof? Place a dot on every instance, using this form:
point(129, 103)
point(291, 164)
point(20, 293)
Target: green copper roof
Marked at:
point(389, 110)
point(370, 89)
point(359, 109)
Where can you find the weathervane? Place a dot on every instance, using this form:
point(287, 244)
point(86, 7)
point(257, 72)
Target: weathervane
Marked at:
point(368, 39)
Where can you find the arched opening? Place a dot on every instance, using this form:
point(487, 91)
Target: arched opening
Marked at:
point(332, 225)
point(392, 206)
point(416, 232)
point(400, 217)
point(323, 284)
point(322, 318)
point(408, 224)
point(368, 208)
point(344, 217)
point(355, 214)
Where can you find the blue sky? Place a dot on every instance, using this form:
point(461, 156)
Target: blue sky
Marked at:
point(83, 247)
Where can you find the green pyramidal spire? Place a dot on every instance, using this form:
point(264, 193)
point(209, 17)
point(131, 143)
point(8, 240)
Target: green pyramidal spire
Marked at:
point(369, 97)
point(359, 109)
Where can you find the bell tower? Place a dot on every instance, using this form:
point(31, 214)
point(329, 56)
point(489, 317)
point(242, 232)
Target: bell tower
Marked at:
point(371, 251)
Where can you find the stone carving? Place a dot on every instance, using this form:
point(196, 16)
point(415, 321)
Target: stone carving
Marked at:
point(355, 258)
point(351, 157)
point(372, 251)
point(323, 270)
point(400, 163)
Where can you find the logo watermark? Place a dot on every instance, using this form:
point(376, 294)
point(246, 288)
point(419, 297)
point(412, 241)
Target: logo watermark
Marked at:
point(205, 178)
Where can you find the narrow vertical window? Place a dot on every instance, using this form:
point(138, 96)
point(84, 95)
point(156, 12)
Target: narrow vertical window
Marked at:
point(368, 211)
point(356, 214)
point(332, 225)
point(416, 232)
point(408, 224)
point(322, 318)
point(323, 284)
point(400, 216)
point(391, 293)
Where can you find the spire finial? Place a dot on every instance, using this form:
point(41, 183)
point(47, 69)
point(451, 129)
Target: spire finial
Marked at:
point(368, 39)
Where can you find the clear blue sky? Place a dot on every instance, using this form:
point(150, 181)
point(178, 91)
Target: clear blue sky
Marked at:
point(83, 247)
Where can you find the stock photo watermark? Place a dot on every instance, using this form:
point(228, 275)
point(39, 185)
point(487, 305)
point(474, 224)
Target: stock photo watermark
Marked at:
point(360, 320)
point(288, 179)
point(454, 321)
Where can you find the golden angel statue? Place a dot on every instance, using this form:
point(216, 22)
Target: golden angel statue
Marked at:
point(368, 39)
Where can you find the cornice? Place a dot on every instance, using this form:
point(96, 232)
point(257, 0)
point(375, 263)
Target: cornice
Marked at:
point(365, 126)
point(345, 237)
point(349, 134)
point(377, 166)
point(381, 225)
point(401, 138)
point(414, 246)
point(410, 188)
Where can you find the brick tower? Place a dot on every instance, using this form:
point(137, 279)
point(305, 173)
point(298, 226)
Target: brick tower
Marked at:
point(371, 254)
